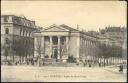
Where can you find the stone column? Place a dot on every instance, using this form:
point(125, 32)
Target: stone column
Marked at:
point(84, 48)
point(95, 52)
point(87, 44)
point(91, 50)
point(35, 47)
point(78, 48)
point(42, 47)
point(50, 47)
point(58, 57)
point(118, 60)
point(89, 47)
point(67, 45)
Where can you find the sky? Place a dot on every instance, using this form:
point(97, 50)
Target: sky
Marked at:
point(89, 15)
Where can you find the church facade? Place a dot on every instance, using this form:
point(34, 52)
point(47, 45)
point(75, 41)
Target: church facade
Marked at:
point(61, 41)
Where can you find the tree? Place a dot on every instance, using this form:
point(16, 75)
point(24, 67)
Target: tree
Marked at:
point(38, 48)
point(108, 51)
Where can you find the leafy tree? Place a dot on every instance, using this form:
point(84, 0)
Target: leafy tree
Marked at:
point(110, 51)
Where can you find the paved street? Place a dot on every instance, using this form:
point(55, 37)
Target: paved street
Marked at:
point(47, 74)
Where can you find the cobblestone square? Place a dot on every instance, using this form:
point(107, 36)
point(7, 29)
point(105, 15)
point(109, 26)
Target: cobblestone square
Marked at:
point(57, 74)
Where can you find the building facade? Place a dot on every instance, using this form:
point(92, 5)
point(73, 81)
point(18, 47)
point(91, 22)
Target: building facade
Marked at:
point(24, 42)
point(61, 41)
point(16, 39)
point(115, 33)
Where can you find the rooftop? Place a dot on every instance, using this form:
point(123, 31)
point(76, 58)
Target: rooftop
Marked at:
point(19, 16)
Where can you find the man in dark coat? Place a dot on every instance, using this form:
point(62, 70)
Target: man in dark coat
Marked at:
point(121, 68)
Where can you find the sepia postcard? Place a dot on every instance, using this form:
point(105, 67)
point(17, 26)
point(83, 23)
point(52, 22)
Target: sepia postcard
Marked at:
point(63, 41)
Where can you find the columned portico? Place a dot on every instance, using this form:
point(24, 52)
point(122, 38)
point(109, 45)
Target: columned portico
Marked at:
point(54, 47)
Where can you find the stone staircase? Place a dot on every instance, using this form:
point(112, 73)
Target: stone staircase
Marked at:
point(55, 63)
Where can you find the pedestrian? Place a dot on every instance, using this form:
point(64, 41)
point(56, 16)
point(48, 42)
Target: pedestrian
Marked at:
point(84, 64)
point(16, 63)
point(99, 64)
point(32, 62)
point(77, 64)
point(121, 68)
point(52, 56)
point(89, 65)
point(43, 63)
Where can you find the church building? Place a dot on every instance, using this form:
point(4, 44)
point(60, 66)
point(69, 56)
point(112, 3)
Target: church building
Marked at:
point(61, 41)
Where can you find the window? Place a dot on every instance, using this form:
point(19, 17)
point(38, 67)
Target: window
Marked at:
point(29, 34)
point(23, 32)
point(6, 19)
point(6, 31)
point(26, 33)
point(20, 31)
point(6, 40)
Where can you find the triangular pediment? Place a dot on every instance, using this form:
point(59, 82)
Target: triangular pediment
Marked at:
point(55, 28)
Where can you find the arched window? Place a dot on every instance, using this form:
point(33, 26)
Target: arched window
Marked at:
point(6, 31)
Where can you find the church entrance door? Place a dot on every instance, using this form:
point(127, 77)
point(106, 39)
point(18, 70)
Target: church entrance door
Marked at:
point(55, 53)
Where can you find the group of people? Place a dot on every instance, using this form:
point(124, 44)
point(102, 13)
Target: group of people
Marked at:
point(27, 62)
point(121, 67)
